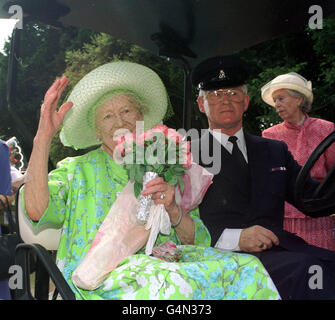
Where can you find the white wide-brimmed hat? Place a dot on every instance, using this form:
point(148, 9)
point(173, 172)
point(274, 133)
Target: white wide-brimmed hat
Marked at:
point(293, 81)
point(78, 129)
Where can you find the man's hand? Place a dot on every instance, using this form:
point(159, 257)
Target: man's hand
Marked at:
point(257, 239)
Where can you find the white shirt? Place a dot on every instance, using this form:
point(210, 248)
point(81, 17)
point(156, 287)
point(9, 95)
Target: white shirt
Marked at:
point(223, 139)
point(230, 237)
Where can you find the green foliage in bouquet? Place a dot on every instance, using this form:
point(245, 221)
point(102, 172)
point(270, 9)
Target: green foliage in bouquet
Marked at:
point(161, 150)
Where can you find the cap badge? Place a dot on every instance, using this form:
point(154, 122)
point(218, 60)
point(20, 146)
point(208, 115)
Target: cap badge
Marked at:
point(222, 74)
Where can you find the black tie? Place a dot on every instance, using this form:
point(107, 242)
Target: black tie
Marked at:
point(237, 155)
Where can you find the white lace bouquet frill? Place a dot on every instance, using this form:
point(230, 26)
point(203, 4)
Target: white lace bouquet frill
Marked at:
point(134, 221)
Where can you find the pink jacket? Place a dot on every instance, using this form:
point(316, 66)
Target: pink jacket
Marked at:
point(301, 141)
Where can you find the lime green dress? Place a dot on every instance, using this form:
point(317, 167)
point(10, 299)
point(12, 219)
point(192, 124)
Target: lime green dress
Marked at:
point(82, 190)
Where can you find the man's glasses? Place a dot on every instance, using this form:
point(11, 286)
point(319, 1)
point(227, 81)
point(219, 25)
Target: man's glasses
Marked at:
point(234, 95)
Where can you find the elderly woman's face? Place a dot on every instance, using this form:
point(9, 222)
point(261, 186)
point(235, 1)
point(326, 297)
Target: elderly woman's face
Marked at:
point(116, 115)
point(286, 106)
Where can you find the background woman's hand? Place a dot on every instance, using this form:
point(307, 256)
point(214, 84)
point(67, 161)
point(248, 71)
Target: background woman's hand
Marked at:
point(51, 118)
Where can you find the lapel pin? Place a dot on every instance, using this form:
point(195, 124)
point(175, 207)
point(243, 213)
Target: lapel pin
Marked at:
point(278, 169)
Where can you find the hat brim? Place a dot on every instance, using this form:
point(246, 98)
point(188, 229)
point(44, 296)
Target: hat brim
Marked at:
point(268, 90)
point(78, 129)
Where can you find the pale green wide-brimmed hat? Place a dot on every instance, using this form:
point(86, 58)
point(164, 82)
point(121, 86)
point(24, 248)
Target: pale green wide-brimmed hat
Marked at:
point(78, 129)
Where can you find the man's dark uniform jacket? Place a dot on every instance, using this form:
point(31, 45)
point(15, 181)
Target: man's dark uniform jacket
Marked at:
point(239, 200)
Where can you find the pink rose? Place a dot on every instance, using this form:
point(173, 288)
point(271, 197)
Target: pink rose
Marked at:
point(129, 138)
point(173, 135)
point(161, 128)
point(119, 139)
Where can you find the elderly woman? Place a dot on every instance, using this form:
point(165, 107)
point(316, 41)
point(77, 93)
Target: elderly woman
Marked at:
point(79, 193)
point(291, 95)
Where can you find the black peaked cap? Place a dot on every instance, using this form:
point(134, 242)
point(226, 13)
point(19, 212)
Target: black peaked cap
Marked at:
point(220, 72)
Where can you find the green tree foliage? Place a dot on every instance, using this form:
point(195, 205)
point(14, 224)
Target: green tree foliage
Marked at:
point(308, 52)
point(324, 47)
point(41, 60)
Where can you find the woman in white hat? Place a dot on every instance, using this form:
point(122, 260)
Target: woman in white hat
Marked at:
point(79, 193)
point(291, 95)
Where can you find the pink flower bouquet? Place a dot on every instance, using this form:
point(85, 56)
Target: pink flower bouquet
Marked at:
point(135, 221)
point(161, 149)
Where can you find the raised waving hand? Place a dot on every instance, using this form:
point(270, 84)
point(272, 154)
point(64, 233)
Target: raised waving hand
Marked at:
point(51, 118)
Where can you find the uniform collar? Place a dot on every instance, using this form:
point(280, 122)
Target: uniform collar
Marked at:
point(223, 138)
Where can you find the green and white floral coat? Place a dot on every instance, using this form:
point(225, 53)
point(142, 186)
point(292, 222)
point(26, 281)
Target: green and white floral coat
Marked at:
point(82, 190)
